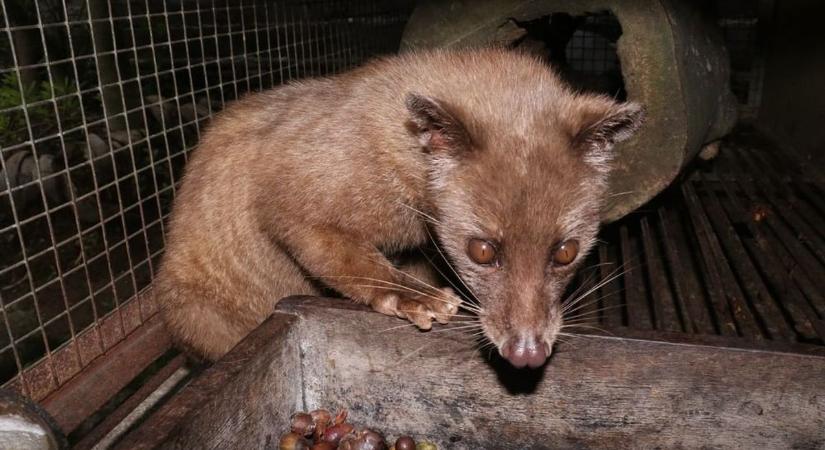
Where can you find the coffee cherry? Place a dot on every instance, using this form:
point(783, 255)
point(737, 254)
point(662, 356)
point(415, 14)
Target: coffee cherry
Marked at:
point(363, 440)
point(302, 423)
point(348, 443)
point(372, 441)
point(320, 416)
point(323, 446)
point(293, 441)
point(335, 433)
point(322, 419)
point(405, 443)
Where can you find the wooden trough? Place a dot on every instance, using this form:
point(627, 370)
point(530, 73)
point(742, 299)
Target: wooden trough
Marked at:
point(628, 390)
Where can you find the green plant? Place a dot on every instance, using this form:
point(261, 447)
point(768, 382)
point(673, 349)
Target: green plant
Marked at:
point(12, 121)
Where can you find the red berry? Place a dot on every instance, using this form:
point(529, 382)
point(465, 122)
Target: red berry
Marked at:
point(405, 443)
point(293, 441)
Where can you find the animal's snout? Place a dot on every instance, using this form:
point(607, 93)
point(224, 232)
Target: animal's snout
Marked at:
point(525, 351)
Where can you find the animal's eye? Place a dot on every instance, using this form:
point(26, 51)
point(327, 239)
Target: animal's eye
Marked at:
point(481, 251)
point(566, 252)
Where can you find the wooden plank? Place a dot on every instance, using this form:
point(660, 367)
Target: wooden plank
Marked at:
point(233, 403)
point(601, 391)
point(605, 392)
point(115, 417)
point(107, 374)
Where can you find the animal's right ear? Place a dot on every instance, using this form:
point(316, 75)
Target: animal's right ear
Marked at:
point(437, 125)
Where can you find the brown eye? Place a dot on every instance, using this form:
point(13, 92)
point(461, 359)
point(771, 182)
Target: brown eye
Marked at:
point(481, 251)
point(565, 253)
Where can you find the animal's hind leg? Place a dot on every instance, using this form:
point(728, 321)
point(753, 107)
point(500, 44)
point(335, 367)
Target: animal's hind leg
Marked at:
point(203, 332)
point(209, 311)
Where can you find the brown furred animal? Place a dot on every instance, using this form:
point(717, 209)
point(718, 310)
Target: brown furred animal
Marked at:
point(314, 183)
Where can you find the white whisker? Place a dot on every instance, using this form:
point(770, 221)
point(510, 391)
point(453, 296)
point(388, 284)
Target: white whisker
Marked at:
point(422, 213)
point(594, 312)
point(447, 261)
point(567, 304)
point(462, 328)
point(595, 300)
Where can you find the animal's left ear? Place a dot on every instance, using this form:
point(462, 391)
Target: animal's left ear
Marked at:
point(601, 123)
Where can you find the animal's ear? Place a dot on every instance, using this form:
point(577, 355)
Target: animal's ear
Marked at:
point(601, 123)
point(436, 124)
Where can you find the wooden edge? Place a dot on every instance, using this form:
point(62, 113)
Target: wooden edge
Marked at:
point(161, 426)
point(124, 409)
point(107, 375)
point(295, 304)
point(177, 421)
point(597, 392)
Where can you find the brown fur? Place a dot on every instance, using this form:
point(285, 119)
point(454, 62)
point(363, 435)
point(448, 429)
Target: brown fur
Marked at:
point(313, 183)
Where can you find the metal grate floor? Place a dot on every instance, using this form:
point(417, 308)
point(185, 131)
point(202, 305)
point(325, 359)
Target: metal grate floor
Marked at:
point(736, 248)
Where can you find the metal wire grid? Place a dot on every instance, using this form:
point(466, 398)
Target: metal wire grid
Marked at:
point(100, 104)
point(592, 48)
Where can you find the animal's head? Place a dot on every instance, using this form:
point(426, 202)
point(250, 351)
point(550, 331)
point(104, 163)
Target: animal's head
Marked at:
point(518, 204)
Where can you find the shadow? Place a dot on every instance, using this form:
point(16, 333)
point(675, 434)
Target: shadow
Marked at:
point(517, 381)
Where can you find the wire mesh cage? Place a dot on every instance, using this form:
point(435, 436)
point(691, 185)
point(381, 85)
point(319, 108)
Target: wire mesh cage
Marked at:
point(101, 102)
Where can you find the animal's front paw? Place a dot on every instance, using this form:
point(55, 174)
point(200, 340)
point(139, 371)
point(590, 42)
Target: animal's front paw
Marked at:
point(420, 309)
point(444, 305)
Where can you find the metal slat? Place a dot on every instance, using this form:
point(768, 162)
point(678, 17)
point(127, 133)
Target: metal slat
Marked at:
point(610, 291)
point(789, 252)
point(661, 294)
point(728, 303)
point(686, 284)
point(800, 219)
point(782, 220)
point(638, 307)
point(777, 266)
point(770, 315)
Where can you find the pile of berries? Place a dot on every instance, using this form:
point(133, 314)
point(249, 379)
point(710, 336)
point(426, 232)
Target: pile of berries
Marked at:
point(318, 430)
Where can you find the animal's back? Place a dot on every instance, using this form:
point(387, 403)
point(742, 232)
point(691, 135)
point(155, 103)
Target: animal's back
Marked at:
point(334, 152)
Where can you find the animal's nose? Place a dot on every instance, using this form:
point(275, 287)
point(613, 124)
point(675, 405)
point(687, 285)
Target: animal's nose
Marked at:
point(524, 351)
